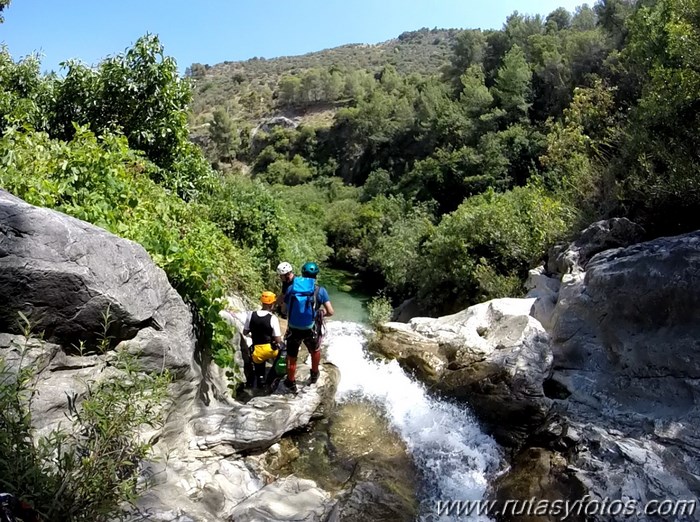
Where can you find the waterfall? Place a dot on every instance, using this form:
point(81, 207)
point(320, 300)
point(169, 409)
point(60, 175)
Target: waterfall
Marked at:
point(454, 456)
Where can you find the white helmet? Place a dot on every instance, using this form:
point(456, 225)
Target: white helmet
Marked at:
point(284, 268)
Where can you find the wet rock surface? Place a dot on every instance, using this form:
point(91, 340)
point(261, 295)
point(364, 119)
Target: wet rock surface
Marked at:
point(354, 455)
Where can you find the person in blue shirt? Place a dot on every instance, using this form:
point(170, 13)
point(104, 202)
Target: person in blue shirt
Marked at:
point(307, 305)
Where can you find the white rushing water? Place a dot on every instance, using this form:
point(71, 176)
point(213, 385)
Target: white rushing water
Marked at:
point(452, 453)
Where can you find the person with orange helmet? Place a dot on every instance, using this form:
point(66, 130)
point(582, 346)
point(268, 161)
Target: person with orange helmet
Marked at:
point(264, 328)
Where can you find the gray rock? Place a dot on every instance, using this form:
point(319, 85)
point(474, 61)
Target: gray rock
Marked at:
point(62, 274)
point(626, 347)
point(545, 290)
point(65, 274)
point(598, 237)
point(494, 355)
point(262, 421)
point(290, 498)
point(416, 353)
point(369, 501)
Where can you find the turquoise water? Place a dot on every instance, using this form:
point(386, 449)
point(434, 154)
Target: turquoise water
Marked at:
point(348, 303)
point(348, 306)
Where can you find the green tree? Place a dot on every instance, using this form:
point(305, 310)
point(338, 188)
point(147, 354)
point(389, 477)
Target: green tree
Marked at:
point(223, 135)
point(612, 16)
point(584, 18)
point(288, 90)
point(512, 90)
point(519, 28)
point(311, 87)
point(467, 51)
point(25, 97)
point(475, 97)
point(660, 162)
point(140, 94)
point(558, 19)
point(333, 83)
point(484, 248)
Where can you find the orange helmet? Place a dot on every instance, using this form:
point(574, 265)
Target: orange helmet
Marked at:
point(268, 298)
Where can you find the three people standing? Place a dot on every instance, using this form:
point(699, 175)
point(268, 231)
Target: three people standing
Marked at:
point(305, 304)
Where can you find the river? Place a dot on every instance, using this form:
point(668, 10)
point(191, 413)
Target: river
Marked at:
point(454, 458)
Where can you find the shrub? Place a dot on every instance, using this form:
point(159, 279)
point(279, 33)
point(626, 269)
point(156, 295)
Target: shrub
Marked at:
point(294, 172)
point(379, 310)
point(487, 245)
point(87, 471)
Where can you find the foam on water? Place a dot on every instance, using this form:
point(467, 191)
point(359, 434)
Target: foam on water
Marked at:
point(454, 456)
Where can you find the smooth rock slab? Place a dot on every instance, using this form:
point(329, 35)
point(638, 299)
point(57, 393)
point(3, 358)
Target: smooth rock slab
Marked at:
point(287, 499)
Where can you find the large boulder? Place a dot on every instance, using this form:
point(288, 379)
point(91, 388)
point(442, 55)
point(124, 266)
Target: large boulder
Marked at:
point(626, 342)
point(603, 235)
point(77, 283)
point(493, 355)
point(262, 421)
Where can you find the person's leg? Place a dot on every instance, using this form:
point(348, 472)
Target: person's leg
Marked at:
point(260, 374)
point(313, 343)
point(248, 368)
point(293, 343)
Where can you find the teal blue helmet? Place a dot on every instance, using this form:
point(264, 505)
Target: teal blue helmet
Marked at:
point(309, 269)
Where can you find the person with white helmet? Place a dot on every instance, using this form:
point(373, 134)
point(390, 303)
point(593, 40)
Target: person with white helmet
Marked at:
point(286, 273)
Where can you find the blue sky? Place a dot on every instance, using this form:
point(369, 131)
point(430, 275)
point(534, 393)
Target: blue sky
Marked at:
point(212, 31)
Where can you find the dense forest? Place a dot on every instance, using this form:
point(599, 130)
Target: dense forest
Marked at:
point(446, 177)
point(440, 165)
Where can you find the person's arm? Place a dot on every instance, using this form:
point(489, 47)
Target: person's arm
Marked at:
point(325, 300)
point(276, 330)
point(328, 307)
point(246, 326)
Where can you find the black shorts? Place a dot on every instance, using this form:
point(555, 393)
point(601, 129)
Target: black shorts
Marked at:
point(295, 337)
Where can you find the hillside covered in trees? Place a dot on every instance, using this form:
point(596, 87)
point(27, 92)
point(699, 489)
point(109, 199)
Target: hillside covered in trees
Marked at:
point(445, 164)
point(448, 181)
point(248, 87)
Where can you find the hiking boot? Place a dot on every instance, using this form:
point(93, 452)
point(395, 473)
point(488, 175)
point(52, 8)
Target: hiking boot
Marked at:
point(290, 386)
point(314, 377)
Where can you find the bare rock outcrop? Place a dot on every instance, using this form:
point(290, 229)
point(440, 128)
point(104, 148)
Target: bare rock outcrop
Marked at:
point(493, 355)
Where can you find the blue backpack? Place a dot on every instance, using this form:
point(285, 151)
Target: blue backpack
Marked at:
point(301, 303)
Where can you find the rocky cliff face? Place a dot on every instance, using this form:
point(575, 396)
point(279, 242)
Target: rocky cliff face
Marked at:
point(626, 345)
point(605, 397)
point(64, 275)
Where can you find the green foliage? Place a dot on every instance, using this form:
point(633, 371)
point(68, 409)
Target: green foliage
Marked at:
point(379, 310)
point(378, 184)
point(302, 233)
point(512, 87)
point(85, 472)
point(249, 214)
point(660, 166)
point(24, 95)
point(486, 246)
point(140, 94)
point(102, 182)
point(224, 136)
point(396, 254)
point(294, 172)
point(335, 75)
